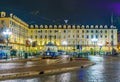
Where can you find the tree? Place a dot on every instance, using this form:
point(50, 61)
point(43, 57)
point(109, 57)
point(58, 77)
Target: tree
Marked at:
point(92, 51)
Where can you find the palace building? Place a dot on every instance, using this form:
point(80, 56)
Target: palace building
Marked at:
point(65, 37)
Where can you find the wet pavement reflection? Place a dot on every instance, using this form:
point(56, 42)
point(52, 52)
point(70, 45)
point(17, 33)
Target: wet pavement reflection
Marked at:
point(105, 70)
point(4, 66)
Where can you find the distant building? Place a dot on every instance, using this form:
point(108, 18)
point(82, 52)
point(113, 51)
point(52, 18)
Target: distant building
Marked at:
point(119, 41)
point(65, 37)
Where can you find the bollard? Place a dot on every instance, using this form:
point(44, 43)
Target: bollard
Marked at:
point(71, 59)
point(82, 66)
point(42, 72)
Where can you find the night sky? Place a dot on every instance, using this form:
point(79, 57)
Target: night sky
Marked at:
point(86, 12)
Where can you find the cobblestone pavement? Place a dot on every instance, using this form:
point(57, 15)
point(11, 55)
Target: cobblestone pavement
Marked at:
point(42, 67)
point(107, 69)
point(39, 65)
point(5, 66)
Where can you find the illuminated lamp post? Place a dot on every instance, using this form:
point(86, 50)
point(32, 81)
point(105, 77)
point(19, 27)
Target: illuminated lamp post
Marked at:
point(7, 34)
point(94, 40)
point(100, 45)
point(30, 45)
point(64, 43)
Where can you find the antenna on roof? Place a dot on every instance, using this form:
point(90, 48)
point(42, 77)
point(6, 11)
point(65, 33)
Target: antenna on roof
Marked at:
point(66, 21)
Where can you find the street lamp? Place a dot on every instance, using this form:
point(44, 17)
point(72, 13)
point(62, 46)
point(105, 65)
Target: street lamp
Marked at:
point(94, 40)
point(7, 34)
point(100, 47)
point(30, 45)
point(64, 43)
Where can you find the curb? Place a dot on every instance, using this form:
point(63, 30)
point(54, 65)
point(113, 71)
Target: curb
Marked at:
point(84, 66)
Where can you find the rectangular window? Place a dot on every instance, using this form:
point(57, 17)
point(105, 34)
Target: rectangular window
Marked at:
point(36, 37)
point(87, 31)
point(50, 31)
point(105, 36)
point(56, 31)
point(111, 31)
point(64, 31)
point(55, 36)
point(82, 31)
point(91, 36)
point(10, 22)
point(91, 31)
point(96, 31)
point(96, 36)
point(105, 31)
point(87, 36)
point(82, 36)
point(45, 36)
point(40, 31)
point(112, 36)
point(41, 36)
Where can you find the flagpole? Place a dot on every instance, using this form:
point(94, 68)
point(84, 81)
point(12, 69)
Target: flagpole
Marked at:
point(112, 21)
point(66, 23)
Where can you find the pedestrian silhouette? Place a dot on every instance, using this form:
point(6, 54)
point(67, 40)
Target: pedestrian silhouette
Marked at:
point(81, 74)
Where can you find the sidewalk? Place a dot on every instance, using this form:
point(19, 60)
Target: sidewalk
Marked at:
point(43, 69)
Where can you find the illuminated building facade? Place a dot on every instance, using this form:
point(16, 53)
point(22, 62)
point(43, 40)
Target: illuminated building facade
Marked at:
point(75, 35)
point(65, 37)
point(18, 28)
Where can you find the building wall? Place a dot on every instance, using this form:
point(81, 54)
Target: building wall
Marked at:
point(19, 31)
point(72, 35)
point(75, 35)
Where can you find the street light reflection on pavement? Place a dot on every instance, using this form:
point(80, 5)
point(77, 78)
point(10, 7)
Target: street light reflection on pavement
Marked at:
point(66, 77)
point(48, 61)
point(64, 56)
point(96, 59)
